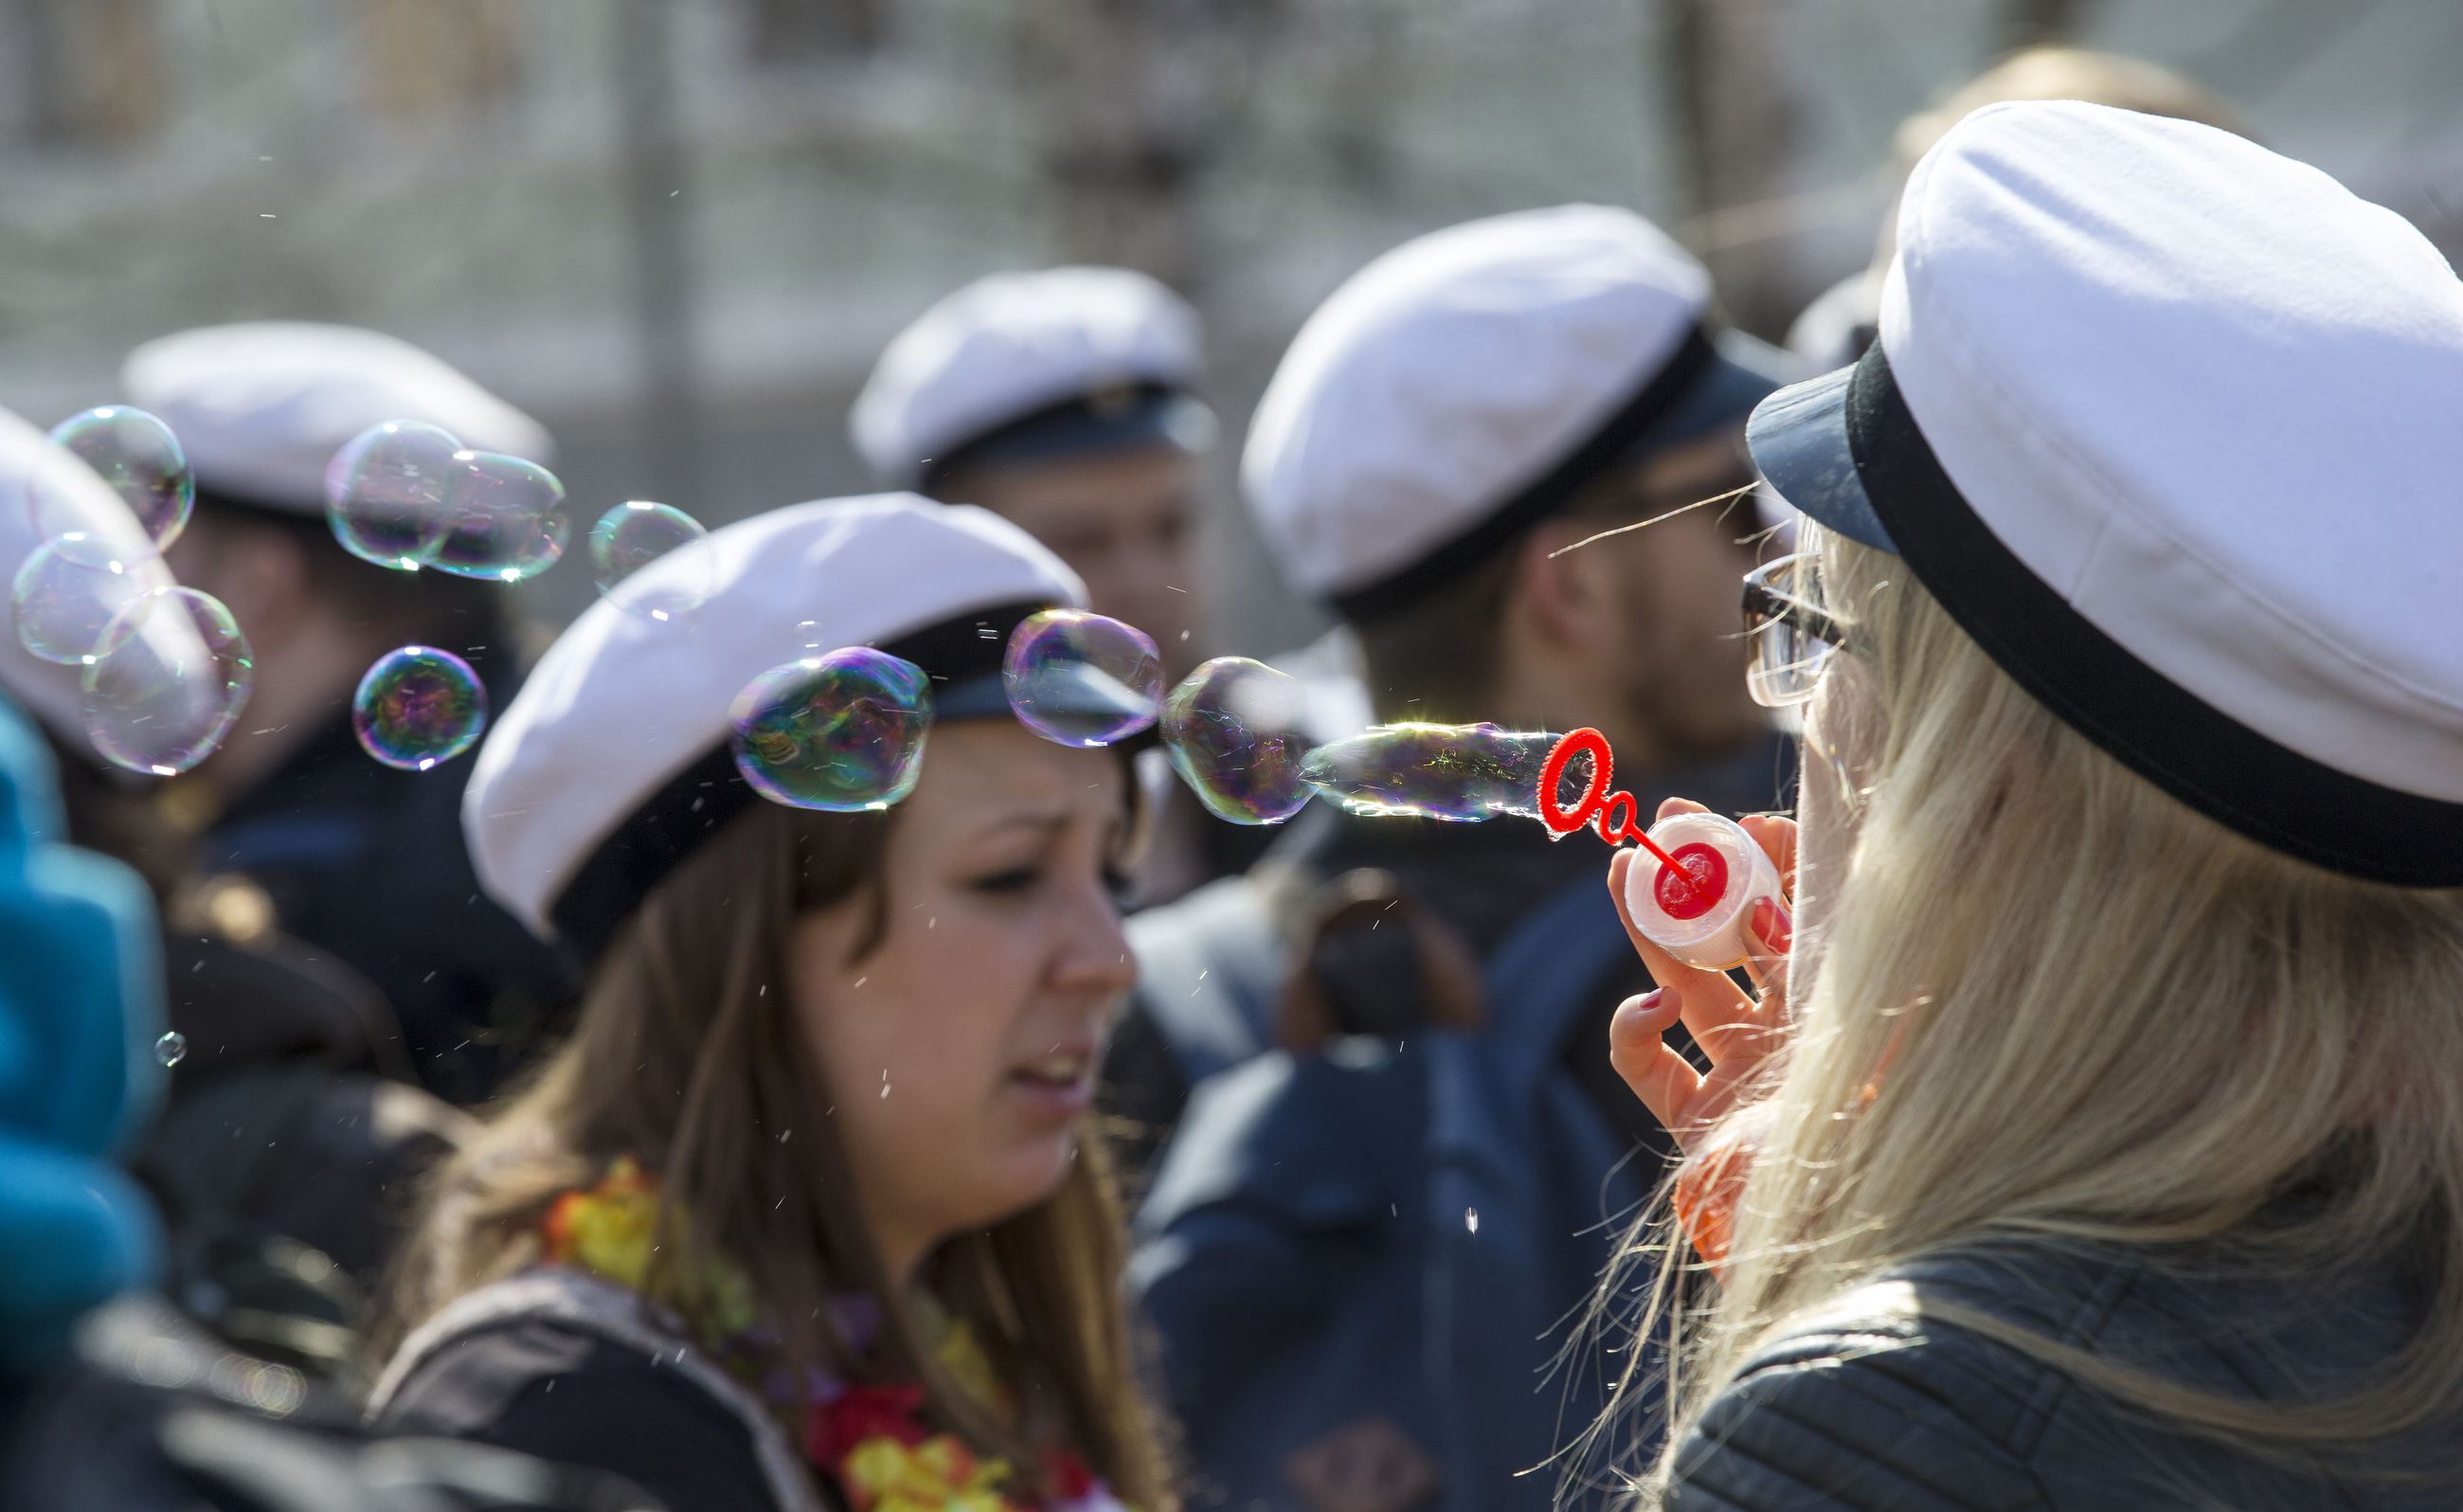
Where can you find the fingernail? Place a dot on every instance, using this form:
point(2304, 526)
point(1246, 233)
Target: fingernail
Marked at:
point(1641, 1007)
point(1771, 926)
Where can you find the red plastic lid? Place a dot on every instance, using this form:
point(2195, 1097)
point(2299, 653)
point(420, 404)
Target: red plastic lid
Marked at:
point(1698, 890)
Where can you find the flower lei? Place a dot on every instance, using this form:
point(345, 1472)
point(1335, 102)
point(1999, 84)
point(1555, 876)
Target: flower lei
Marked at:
point(871, 1440)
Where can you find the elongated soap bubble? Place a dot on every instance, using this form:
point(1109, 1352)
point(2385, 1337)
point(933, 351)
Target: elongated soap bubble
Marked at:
point(139, 457)
point(839, 733)
point(1082, 679)
point(167, 682)
point(68, 589)
point(417, 706)
point(386, 492)
point(636, 534)
point(504, 518)
point(1233, 729)
point(1463, 772)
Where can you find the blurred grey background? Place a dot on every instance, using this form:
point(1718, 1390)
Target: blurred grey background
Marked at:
point(679, 231)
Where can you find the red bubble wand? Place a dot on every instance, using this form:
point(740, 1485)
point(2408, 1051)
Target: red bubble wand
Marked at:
point(1691, 879)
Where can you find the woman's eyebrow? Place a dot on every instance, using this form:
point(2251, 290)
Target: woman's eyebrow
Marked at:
point(1041, 820)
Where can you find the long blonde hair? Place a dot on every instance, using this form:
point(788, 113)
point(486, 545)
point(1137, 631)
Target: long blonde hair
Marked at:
point(686, 1056)
point(2047, 1002)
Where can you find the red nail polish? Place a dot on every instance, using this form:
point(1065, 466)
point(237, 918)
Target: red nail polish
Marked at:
point(1771, 924)
point(1641, 1006)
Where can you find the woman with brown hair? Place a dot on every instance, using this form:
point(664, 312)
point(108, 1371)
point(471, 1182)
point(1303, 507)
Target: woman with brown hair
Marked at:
point(801, 1217)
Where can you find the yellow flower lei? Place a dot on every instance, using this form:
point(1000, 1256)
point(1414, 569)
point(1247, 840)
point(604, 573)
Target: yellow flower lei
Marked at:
point(611, 1230)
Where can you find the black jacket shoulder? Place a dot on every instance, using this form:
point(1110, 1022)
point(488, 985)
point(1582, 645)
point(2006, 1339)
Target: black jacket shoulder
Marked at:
point(1878, 1400)
point(563, 1393)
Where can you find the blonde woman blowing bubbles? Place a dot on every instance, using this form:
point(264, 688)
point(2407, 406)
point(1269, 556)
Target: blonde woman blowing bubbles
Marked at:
point(2109, 1150)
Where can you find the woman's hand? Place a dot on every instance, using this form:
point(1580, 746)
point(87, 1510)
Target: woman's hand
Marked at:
point(1735, 1030)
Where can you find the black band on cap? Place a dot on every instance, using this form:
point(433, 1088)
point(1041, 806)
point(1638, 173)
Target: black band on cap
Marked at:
point(257, 504)
point(1117, 405)
point(698, 802)
point(1608, 445)
point(2150, 724)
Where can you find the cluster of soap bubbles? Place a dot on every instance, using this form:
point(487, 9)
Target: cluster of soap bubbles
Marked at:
point(407, 496)
point(845, 731)
point(162, 671)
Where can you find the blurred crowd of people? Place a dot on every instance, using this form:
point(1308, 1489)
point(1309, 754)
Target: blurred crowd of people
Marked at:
point(567, 1126)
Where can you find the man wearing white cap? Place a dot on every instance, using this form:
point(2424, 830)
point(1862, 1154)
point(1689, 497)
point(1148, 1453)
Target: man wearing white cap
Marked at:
point(358, 857)
point(1443, 430)
point(1064, 400)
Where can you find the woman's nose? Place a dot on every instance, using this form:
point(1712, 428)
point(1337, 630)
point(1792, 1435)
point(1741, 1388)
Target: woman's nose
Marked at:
point(1095, 956)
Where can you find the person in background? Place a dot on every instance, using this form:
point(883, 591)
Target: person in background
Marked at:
point(284, 1154)
point(802, 1216)
point(1066, 400)
point(356, 859)
point(1838, 324)
point(2100, 1146)
point(1442, 429)
point(108, 1401)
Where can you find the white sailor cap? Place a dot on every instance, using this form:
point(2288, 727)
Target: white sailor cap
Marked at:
point(1026, 366)
point(612, 763)
point(46, 491)
point(1462, 386)
point(2167, 424)
point(262, 406)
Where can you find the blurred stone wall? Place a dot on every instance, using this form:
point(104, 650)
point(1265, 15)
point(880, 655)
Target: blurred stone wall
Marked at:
point(484, 177)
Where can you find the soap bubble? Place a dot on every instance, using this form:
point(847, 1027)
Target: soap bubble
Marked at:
point(139, 457)
point(504, 518)
point(1232, 730)
point(633, 535)
point(1080, 679)
point(1449, 771)
point(385, 493)
point(838, 732)
point(419, 706)
point(167, 682)
point(68, 590)
point(172, 1049)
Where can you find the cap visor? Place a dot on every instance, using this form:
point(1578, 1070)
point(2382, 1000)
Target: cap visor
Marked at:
point(1799, 440)
point(1081, 692)
point(979, 697)
point(1174, 421)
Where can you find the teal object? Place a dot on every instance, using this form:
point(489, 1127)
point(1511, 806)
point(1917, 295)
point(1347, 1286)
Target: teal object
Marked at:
point(80, 1008)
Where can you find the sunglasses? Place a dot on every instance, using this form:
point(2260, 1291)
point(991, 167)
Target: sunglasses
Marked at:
point(1791, 638)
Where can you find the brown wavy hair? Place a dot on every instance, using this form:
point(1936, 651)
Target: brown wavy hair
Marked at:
point(687, 1056)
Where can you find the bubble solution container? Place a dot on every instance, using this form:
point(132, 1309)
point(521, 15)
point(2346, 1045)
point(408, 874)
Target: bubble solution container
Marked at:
point(1705, 924)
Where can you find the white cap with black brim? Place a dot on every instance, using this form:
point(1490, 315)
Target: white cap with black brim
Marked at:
point(1029, 368)
point(261, 406)
point(613, 765)
point(2166, 423)
point(1468, 384)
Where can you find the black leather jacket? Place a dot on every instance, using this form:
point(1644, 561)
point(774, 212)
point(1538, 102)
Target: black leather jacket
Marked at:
point(1871, 1405)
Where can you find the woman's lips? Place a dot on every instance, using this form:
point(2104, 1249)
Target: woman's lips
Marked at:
point(1061, 1080)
